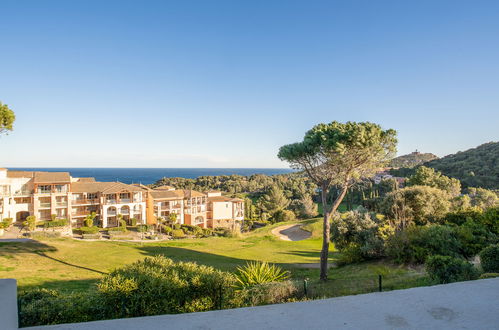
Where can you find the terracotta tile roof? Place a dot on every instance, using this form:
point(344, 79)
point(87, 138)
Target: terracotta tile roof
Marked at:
point(19, 174)
point(167, 194)
point(89, 179)
point(165, 187)
point(141, 186)
point(52, 177)
point(219, 199)
point(189, 193)
point(103, 187)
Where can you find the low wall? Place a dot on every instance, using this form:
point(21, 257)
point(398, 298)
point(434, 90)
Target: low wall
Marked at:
point(8, 304)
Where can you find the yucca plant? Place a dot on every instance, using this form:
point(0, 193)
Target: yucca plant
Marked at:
point(259, 272)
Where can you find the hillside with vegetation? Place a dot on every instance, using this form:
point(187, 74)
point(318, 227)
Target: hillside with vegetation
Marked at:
point(411, 160)
point(476, 167)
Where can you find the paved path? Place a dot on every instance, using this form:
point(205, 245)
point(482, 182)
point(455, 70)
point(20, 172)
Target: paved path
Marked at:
point(465, 305)
point(291, 233)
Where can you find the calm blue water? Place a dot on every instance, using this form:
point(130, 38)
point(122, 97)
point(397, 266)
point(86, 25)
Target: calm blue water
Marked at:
point(151, 175)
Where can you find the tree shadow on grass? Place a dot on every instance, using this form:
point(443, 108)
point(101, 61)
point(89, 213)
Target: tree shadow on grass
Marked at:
point(38, 248)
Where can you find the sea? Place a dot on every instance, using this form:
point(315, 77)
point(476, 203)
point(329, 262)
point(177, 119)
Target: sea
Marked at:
point(151, 175)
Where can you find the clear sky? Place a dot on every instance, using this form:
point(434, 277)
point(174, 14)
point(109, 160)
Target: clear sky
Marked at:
point(226, 83)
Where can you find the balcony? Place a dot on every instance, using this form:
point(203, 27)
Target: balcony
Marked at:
point(125, 200)
point(23, 193)
point(84, 201)
point(111, 201)
point(44, 205)
point(44, 192)
point(61, 204)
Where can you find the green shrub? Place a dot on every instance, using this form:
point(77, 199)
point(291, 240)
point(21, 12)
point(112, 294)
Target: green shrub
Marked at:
point(207, 232)
point(178, 233)
point(91, 236)
point(490, 219)
point(473, 238)
point(255, 272)
point(489, 258)
point(161, 286)
point(42, 307)
point(268, 293)
point(177, 226)
point(7, 222)
point(133, 222)
point(446, 269)
point(166, 229)
point(89, 230)
point(30, 223)
point(56, 223)
point(44, 234)
point(120, 229)
point(222, 232)
point(460, 217)
point(283, 215)
point(489, 275)
point(415, 244)
point(122, 223)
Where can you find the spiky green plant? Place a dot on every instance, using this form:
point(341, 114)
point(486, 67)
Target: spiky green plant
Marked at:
point(259, 272)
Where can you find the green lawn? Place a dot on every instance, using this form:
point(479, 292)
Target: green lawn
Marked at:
point(70, 265)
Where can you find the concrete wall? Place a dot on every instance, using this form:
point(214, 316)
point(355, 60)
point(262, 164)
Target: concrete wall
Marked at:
point(8, 304)
point(222, 210)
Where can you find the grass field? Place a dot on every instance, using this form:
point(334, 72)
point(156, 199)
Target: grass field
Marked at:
point(72, 265)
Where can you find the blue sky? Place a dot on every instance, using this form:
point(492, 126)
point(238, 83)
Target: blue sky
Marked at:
point(226, 83)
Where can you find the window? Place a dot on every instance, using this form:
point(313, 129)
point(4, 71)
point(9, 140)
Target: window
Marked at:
point(92, 196)
point(44, 189)
point(111, 197)
point(124, 195)
point(61, 188)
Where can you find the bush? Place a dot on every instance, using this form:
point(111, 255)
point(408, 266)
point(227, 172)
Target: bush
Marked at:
point(222, 232)
point(161, 286)
point(7, 222)
point(489, 258)
point(207, 232)
point(43, 234)
point(473, 238)
point(89, 230)
point(91, 236)
point(30, 223)
point(283, 215)
point(42, 307)
point(259, 272)
point(460, 217)
point(490, 219)
point(489, 275)
point(446, 269)
point(166, 229)
point(360, 233)
point(133, 222)
point(177, 226)
point(122, 224)
point(178, 233)
point(415, 244)
point(56, 223)
point(268, 293)
point(120, 229)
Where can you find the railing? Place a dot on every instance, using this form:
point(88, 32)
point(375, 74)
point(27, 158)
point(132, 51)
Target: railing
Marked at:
point(125, 200)
point(111, 201)
point(45, 192)
point(45, 205)
point(84, 201)
point(23, 193)
point(61, 204)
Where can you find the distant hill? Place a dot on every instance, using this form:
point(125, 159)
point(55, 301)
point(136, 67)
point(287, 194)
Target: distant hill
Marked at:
point(411, 160)
point(477, 167)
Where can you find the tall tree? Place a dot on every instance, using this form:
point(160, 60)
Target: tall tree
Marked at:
point(274, 200)
point(336, 156)
point(7, 118)
point(427, 176)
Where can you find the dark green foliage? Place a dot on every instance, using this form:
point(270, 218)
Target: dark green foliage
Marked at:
point(161, 286)
point(426, 176)
point(446, 269)
point(192, 230)
point(7, 118)
point(412, 159)
point(460, 217)
point(358, 235)
point(207, 232)
point(43, 307)
point(477, 167)
point(177, 226)
point(473, 238)
point(166, 229)
point(490, 259)
point(222, 232)
point(490, 219)
point(415, 244)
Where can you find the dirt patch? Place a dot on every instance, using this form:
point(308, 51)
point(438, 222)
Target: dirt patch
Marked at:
point(291, 233)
